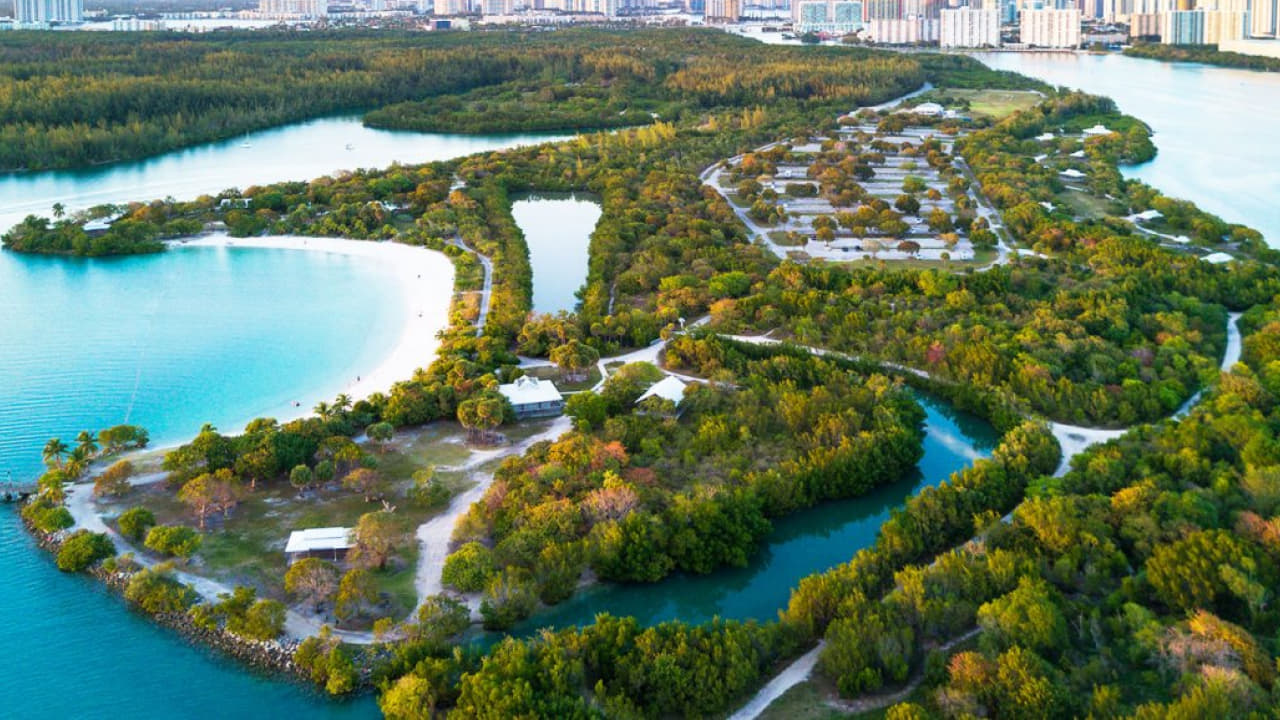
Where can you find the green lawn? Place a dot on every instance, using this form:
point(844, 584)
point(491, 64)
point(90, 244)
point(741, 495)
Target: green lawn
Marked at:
point(247, 547)
point(1086, 206)
point(996, 103)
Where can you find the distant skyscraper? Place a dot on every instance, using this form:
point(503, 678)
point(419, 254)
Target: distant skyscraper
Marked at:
point(40, 12)
point(1051, 28)
point(723, 10)
point(294, 8)
point(963, 27)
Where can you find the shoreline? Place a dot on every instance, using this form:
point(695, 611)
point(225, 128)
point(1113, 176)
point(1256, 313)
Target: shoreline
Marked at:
point(418, 272)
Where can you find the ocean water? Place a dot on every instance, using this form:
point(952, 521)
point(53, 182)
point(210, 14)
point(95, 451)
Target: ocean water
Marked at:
point(71, 649)
point(1213, 126)
point(167, 341)
point(174, 340)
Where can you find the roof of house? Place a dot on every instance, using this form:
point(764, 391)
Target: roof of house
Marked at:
point(527, 390)
point(1046, 137)
point(330, 538)
point(1218, 258)
point(668, 388)
point(1098, 129)
point(1071, 173)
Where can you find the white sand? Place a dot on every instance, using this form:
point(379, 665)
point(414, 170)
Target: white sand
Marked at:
point(425, 279)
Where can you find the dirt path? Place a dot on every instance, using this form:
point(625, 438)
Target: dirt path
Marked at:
point(435, 534)
point(80, 505)
point(792, 675)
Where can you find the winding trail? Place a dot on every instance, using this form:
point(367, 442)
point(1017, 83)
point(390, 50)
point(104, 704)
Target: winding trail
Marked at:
point(794, 674)
point(435, 534)
point(80, 504)
point(1073, 440)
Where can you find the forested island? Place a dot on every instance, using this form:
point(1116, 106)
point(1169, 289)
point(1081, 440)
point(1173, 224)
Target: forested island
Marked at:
point(1208, 54)
point(1136, 581)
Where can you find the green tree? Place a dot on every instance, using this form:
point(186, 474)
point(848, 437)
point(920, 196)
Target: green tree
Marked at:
point(82, 549)
point(376, 536)
point(54, 451)
point(469, 568)
point(173, 540)
point(135, 522)
point(114, 480)
point(311, 581)
point(356, 592)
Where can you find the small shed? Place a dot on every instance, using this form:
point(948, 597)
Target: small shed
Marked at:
point(331, 543)
point(531, 397)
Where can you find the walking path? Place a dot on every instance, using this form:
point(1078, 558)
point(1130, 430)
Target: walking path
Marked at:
point(80, 505)
point(434, 535)
point(1073, 440)
point(794, 674)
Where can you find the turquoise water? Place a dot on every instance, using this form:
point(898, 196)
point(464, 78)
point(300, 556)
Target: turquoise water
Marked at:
point(73, 650)
point(170, 342)
point(557, 229)
point(174, 340)
point(1214, 127)
point(294, 152)
point(802, 544)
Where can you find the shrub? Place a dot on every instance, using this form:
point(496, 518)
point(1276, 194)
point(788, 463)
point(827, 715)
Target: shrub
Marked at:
point(135, 522)
point(83, 549)
point(173, 540)
point(156, 591)
point(469, 568)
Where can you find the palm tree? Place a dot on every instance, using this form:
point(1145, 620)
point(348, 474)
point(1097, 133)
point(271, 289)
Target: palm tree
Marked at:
point(323, 409)
point(89, 441)
point(59, 210)
point(342, 403)
point(54, 450)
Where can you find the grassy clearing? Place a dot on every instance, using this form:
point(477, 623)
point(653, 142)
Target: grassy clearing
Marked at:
point(804, 701)
point(1086, 206)
point(996, 103)
point(247, 547)
point(787, 239)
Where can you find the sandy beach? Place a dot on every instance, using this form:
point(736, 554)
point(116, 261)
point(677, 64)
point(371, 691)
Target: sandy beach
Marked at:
point(425, 279)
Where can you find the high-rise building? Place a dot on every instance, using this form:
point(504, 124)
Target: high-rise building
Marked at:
point(833, 16)
point(909, 31)
point(964, 27)
point(294, 8)
point(1222, 26)
point(451, 8)
point(1183, 27)
point(42, 12)
point(1051, 28)
point(723, 11)
point(1264, 18)
point(1146, 25)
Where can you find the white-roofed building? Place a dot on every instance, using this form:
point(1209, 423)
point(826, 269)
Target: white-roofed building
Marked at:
point(1072, 174)
point(531, 397)
point(331, 543)
point(1218, 258)
point(1097, 130)
point(1046, 137)
point(668, 388)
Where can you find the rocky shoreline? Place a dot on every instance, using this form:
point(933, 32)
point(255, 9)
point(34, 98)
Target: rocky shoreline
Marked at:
point(269, 656)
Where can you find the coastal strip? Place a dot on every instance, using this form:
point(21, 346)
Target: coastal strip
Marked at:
point(426, 280)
